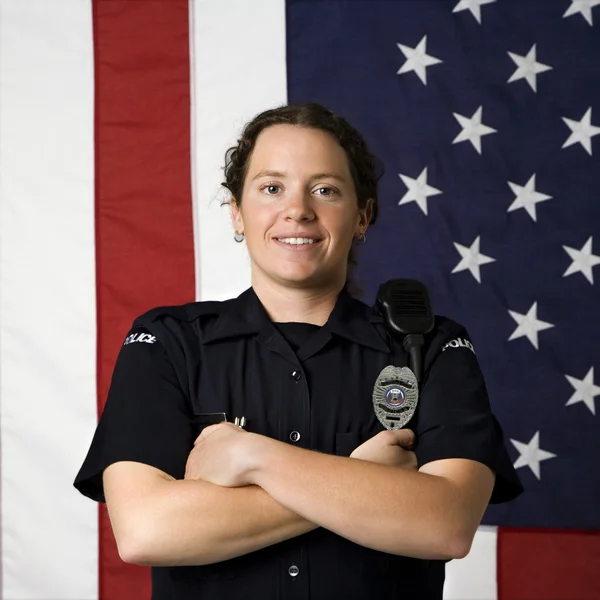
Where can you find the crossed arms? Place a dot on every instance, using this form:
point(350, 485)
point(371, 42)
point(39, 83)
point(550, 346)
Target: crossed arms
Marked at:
point(251, 491)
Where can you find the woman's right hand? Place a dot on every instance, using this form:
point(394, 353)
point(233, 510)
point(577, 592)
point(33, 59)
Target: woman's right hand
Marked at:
point(389, 447)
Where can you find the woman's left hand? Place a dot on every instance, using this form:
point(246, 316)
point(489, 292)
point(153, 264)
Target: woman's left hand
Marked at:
point(220, 455)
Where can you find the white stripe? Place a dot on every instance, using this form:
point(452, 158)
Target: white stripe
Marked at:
point(47, 298)
point(474, 577)
point(238, 70)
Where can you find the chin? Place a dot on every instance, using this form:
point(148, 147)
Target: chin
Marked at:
point(297, 278)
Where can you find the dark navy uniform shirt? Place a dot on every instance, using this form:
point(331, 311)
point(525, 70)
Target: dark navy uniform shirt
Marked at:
point(304, 385)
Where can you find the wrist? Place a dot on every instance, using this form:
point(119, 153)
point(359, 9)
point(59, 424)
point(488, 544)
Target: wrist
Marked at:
point(256, 454)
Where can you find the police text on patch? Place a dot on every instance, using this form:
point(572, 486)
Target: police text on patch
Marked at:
point(146, 338)
point(459, 343)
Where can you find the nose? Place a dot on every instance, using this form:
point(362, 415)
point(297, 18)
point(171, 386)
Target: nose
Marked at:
point(299, 207)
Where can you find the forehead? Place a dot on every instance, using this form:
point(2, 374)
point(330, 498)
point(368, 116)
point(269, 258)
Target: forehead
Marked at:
point(290, 148)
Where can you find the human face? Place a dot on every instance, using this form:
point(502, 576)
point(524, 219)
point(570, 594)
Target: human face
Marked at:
point(299, 210)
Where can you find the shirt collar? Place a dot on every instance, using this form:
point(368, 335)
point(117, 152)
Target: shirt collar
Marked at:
point(350, 319)
point(357, 322)
point(244, 315)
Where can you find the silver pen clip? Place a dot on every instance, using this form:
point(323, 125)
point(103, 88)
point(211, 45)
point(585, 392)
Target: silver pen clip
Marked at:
point(240, 422)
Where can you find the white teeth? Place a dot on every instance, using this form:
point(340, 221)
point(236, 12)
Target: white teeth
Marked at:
point(296, 240)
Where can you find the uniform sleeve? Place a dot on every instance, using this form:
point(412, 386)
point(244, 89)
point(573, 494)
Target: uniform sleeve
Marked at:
point(454, 418)
point(146, 418)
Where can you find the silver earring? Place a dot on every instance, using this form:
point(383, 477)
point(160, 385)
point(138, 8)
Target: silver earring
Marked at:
point(362, 237)
point(238, 237)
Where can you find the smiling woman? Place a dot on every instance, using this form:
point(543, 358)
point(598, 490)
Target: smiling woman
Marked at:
point(303, 187)
point(314, 498)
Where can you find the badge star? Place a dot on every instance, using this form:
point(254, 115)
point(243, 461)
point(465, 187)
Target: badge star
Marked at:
point(585, 390)
point(472, 259)
point(474, 6)
point(417, 60)
point(531, 454)
point(526, 197)
point(582, 131)
point(528, 325)
point(418, 190)
point(583, 261)
point(528, 68)
point(582, 6)
point(473, 129)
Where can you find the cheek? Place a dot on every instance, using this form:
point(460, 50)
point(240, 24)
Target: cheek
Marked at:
point(259, 220)
point(342, 223)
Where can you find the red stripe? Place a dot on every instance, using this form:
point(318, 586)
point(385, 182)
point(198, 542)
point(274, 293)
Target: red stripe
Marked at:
point(144, 231)
point(548, 564)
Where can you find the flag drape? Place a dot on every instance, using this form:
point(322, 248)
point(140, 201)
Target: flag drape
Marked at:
point(115, 118)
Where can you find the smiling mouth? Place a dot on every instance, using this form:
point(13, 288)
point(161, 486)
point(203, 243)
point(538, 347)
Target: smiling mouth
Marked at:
point(297, 241)
point(298, 245)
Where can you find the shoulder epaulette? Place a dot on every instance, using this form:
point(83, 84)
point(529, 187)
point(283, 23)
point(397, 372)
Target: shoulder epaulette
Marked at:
point(443, 330)
point(182, 312)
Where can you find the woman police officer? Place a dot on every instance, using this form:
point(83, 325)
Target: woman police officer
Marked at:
point(314, 499)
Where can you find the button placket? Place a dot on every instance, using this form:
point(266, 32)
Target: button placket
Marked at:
point(294, 428)
point(295, 436)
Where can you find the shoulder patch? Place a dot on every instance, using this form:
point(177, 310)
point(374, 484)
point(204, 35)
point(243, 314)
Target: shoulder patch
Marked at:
point(143, 337)
point(446, 334)
point(459, 343)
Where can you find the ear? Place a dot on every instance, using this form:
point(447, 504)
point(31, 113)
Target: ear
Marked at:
point(236, 216)
point(364, 216)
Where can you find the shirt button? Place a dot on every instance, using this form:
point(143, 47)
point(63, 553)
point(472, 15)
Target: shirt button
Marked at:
point(293, 571)
point(297, 375)
point(294, 436)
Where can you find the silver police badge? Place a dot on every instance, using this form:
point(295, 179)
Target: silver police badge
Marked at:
point(395, 396)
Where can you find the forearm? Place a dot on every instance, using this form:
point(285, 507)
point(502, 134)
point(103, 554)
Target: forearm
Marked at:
point(386, 508)
point(194, 523)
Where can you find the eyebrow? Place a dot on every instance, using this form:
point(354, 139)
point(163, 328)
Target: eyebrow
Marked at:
point(280, 175)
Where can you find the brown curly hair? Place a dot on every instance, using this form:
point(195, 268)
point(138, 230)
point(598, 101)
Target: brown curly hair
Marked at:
point(365, 167)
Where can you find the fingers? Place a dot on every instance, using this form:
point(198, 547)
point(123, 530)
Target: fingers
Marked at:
point(207, 431)
point(405, 438)
point(212, 428)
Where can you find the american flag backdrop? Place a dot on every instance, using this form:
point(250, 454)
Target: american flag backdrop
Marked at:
point(115, 116)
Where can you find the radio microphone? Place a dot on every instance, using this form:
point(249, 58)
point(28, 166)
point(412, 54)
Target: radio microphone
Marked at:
point(406, 310)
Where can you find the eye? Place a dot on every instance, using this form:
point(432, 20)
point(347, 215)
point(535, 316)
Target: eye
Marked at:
point(325, 191)
point(271, 189)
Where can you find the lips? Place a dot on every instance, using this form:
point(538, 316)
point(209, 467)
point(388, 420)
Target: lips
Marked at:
point(298, 246)
point(298, 236)
point(297, 241)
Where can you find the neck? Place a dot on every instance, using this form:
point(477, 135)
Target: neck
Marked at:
point(302, 305)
